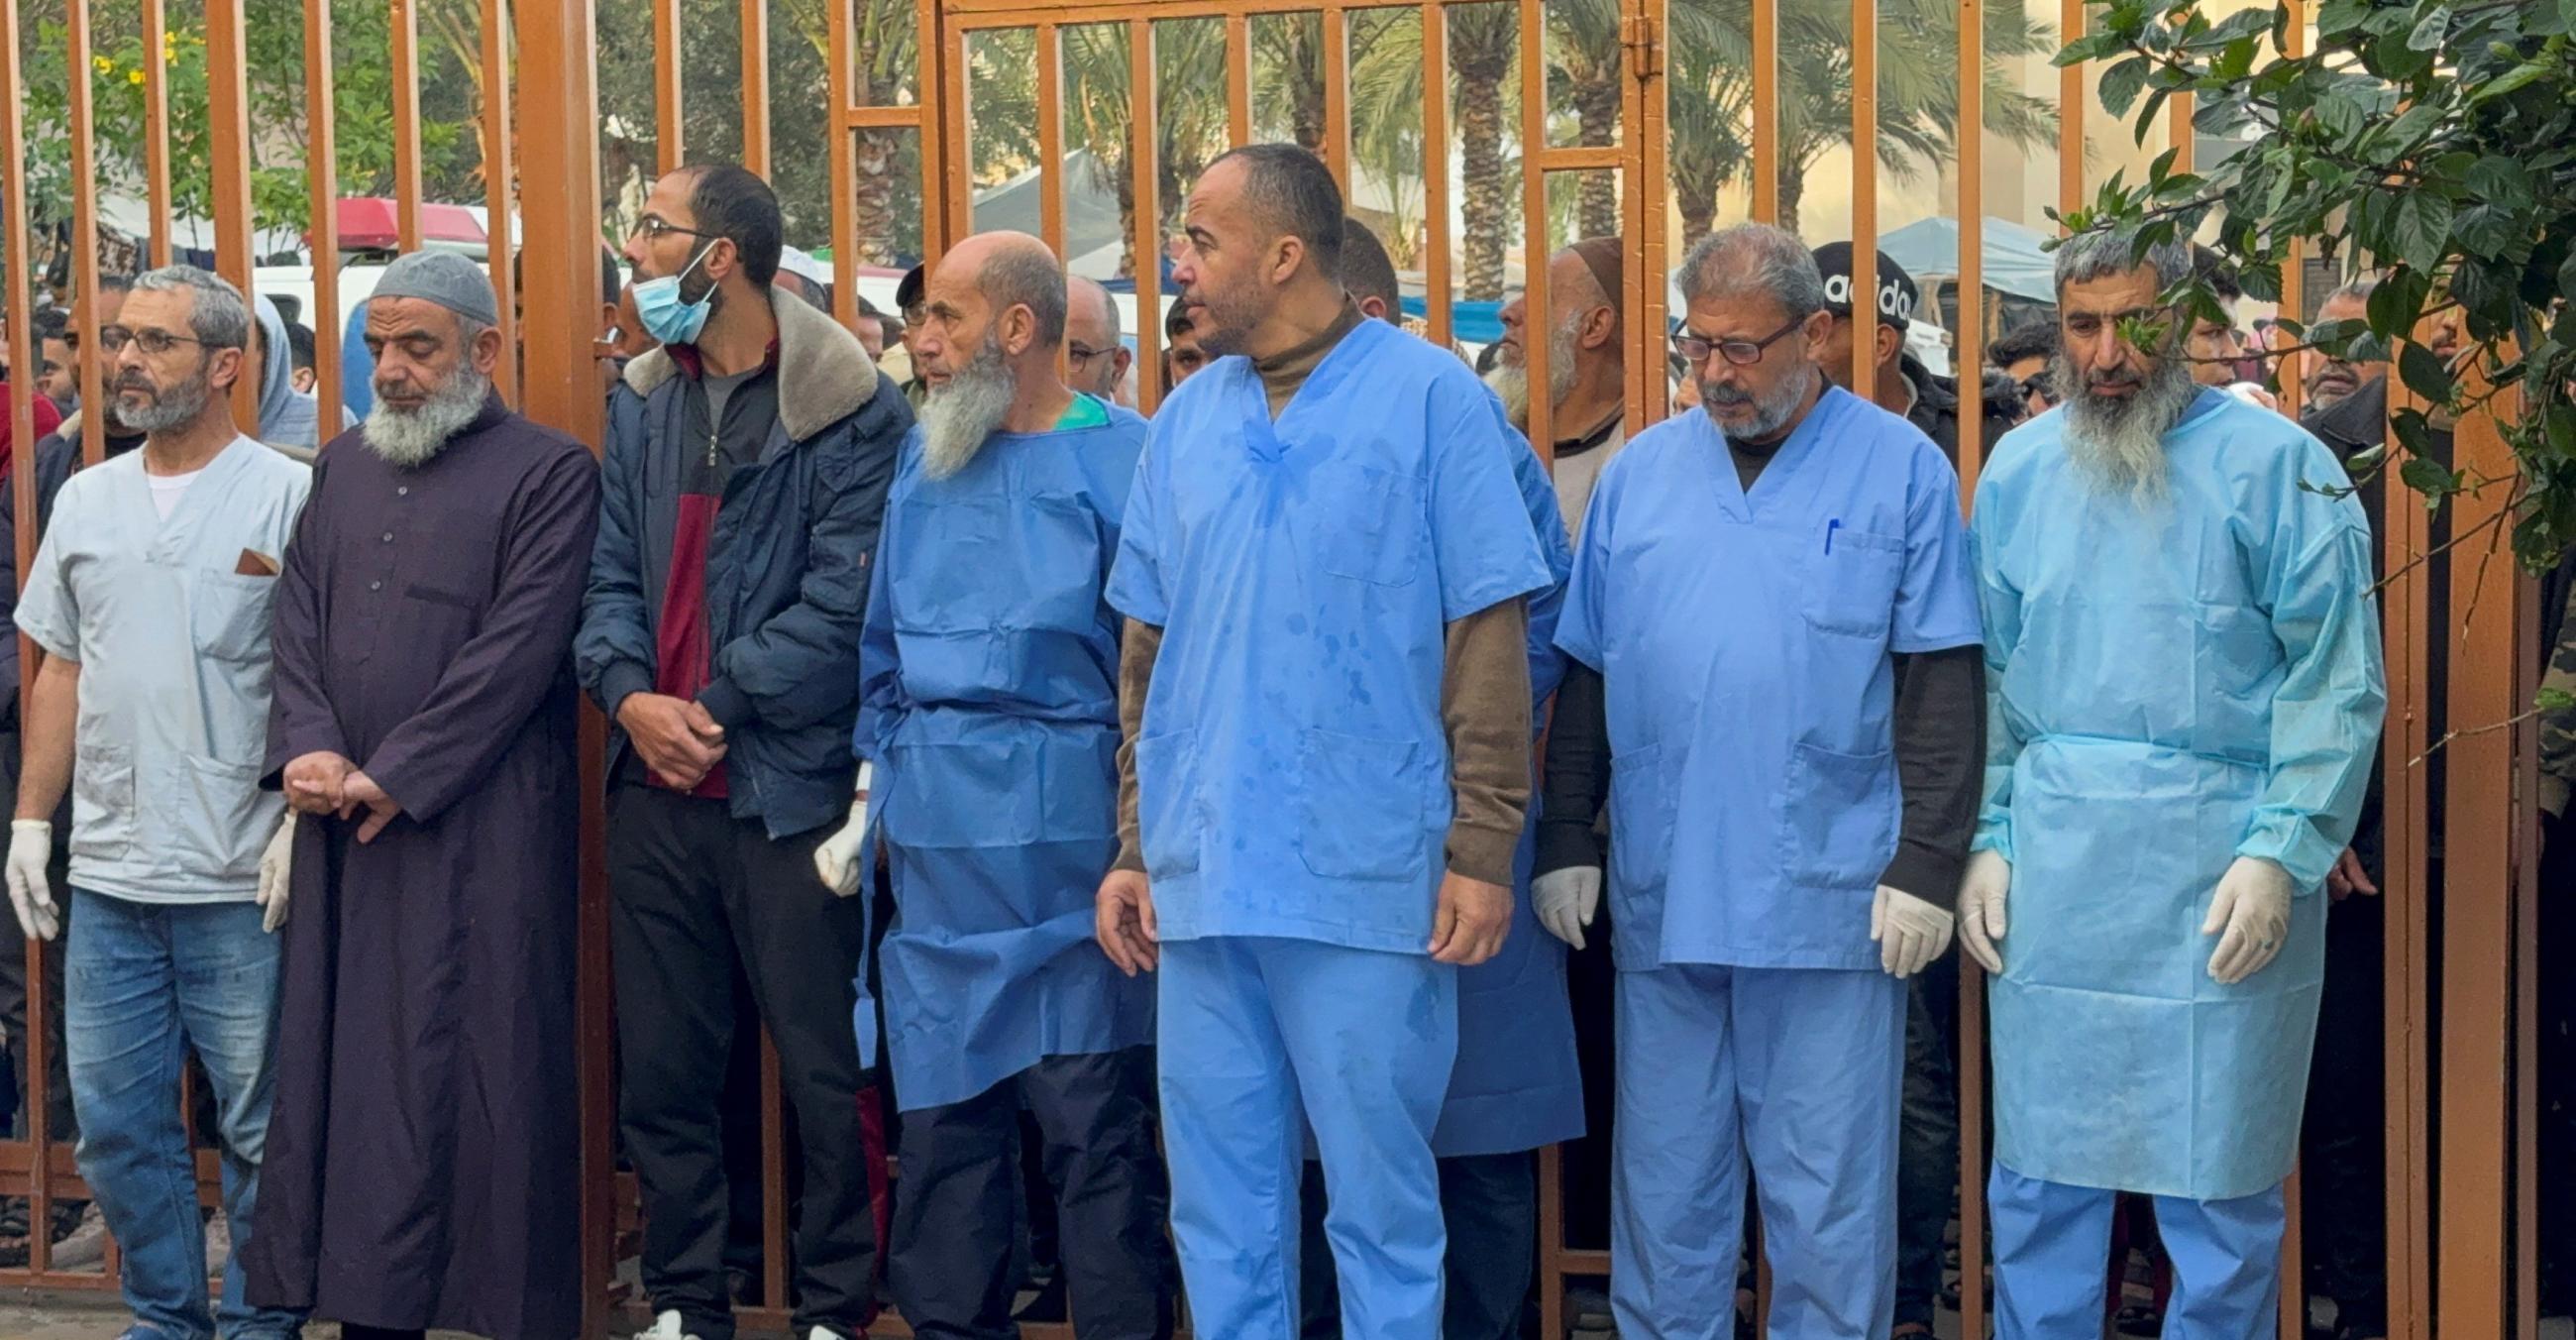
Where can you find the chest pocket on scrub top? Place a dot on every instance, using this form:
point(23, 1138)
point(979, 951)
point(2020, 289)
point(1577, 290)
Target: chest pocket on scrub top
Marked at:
point(1365, 523)
point(1851, 581)
point(228, 614)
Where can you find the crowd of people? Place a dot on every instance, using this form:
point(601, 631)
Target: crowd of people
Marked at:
point(1131, 826)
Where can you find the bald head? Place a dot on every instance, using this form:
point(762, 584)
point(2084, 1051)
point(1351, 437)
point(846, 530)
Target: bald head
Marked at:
point(1368, 273)
point(1093, 351)
point(1002, 292)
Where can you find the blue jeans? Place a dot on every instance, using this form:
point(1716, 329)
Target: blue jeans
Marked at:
point(145, 983)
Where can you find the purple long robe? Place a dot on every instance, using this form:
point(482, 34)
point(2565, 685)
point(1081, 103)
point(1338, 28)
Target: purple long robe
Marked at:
point(421, 1164)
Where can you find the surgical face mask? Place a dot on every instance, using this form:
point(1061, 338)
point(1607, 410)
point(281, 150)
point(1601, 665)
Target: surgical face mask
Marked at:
point(668, 317)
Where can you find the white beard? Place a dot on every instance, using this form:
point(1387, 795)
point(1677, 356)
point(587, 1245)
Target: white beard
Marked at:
point(1510, 381)
point(2119, 443)
point(959, 417)
point(408, 439)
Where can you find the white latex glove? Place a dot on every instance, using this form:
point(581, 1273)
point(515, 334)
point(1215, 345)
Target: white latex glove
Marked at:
point(1909, 932)
point(2252, 907)
point(274, 865)
point(1565, 901)
point(837, 860)
point(1981, 908)
point(31, 844)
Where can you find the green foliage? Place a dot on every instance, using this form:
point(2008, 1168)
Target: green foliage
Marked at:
point(2434, 142)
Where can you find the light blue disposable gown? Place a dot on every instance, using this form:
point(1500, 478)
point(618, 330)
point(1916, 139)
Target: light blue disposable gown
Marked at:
point(1745, 642)
point(991, 712)
point(2175, 685)
point(1517, 1084)
point(1294, 795)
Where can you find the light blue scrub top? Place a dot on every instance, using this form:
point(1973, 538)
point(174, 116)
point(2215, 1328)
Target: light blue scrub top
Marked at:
point(2173, 685)
point(173, 645)
point(990, 708)
point(1293, 774)
point(1745, 645)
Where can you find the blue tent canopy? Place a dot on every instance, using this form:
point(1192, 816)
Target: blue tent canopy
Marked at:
point(2014, 262)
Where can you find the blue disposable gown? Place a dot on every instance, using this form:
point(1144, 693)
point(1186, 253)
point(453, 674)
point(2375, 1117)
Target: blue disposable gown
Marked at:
point(2175, 685)
point(1516, 1084)
point(1745, 644)
point(991, 712)
point(1292, 771)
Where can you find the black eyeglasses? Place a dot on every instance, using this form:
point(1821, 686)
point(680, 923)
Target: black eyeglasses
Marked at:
point(1078, 355)
point(1695, 349)
point(654, 225)
point(154, 342)
point(2039, 384)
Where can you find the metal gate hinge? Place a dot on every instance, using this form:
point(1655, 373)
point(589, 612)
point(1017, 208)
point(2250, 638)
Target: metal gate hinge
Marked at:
point(1640, 36)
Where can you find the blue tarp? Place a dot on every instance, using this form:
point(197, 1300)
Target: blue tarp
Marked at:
point(2015, 264)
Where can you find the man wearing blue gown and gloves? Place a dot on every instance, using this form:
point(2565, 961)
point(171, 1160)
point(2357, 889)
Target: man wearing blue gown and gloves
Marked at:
point(1776, 622)
point(2187, 698)
point(989, 729)
point(1327, 705)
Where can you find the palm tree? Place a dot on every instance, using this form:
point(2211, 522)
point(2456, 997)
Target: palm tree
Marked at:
point(1584, 50)
point(1484, 51)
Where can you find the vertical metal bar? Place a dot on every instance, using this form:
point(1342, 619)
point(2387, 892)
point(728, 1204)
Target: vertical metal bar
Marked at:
point(228, 140)
point(2525, 863)
point(1050, 57)
point(1144, 127)
point(670, 142)
point(18, 325)
point(1642, 210)
point(1337, 96)
point(936, 220)
point(755, 85)
point(1435, 174)
point(406, 80)
point(322, 172)
point(1864, 206)
point(2405, 620)
point(1972, 1148)
point(84, 174)
point(1238, 79)
point(2071, 93)
point(960, 180)
point(559, 119)
point(500, 181)
point(843, 163)
point(1969, 358)
point(156, 134)
point(2179, 134)
point(1766, 111)
point(1534, 246)
point(2478, 898)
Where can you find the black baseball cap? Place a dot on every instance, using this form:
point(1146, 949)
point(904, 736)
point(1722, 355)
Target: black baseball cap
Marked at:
point(1897, 295)
point(907, 293)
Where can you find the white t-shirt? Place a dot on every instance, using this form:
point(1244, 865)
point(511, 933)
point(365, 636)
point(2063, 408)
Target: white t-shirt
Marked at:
point(168, 489)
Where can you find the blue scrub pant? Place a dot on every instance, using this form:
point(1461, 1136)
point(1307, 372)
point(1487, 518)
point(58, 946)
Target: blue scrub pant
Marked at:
point(1260, 1040)
point(2050, 1241)
point(1801, 1070)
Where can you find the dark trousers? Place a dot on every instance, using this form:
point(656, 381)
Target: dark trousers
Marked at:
point(693, 894)
point(2342, 1163)
point(1927, 1147)
point(62, 1125)
point(1489, 1203)
point(957, 1207)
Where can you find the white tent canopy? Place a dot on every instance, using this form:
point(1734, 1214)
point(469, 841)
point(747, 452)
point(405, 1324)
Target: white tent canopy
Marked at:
point(2014, 262)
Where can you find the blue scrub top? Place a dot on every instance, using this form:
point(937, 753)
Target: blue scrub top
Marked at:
point(1745, 644)
point(1293, 775)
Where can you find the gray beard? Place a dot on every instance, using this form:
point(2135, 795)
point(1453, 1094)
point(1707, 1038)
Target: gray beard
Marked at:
point(407, 439)
point(1510, 381)
point(2119, 443)
point(959, 417)
point(1771, 413)
point(168, 408)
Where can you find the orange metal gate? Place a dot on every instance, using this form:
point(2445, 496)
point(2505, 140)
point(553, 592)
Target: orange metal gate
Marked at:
point(904, 77)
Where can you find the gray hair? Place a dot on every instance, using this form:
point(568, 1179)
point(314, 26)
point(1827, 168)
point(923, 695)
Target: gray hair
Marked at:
point(1754, 258)
point(1027, 276)
point(2086, 257)
point(1108, 305)
point(217, 316)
